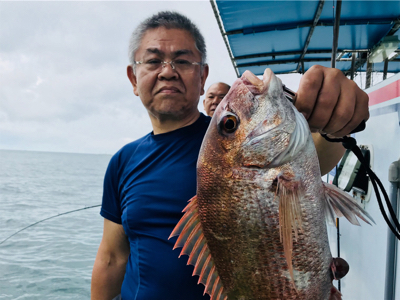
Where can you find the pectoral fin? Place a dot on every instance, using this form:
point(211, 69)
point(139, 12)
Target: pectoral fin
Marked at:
point(290, 219)
point(340, 203)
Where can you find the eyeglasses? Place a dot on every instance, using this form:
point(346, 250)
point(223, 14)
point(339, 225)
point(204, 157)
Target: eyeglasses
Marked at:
point(182, 66)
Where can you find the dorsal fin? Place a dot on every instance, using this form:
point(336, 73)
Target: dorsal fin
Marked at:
point(194, 244)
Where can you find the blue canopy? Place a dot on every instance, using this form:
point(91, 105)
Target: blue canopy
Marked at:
point(291, 36)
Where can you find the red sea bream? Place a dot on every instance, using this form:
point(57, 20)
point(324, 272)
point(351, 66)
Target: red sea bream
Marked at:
point(257, 227)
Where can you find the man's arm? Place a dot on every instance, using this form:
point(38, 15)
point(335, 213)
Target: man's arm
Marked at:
point(329, 153)
point(332, 104)
point(109, 266)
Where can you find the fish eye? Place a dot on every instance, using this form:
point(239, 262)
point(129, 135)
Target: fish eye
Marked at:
point(229, 123)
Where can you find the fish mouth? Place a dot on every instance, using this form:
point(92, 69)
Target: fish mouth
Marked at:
point(256, 85)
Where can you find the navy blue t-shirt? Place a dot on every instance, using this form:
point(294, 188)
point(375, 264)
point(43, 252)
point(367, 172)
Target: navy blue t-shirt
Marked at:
point(147, 184)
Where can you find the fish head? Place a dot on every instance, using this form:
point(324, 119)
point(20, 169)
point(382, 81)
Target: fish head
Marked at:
point(255, 125)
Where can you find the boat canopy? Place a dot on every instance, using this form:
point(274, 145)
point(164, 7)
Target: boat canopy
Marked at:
point(291, 36)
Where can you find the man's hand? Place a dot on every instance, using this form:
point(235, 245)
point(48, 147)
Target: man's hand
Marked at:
point(331, 102)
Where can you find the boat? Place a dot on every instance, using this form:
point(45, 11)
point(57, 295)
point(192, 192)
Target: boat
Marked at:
point(361, 39)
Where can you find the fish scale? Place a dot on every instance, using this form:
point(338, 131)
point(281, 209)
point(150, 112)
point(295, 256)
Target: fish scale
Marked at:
point(260, 209)
point(262, 251)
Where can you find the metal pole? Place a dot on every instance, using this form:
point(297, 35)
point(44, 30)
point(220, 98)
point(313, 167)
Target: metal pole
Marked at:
point(310, 33)
point(392, 242)
point(336, 33)
point(224, 37)
point(353, 63)
point(385, 68)
point(338, 246)
point(333, 65)
point(369, 71)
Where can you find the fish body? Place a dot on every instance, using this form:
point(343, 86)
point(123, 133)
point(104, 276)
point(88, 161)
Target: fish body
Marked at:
point(257, 227)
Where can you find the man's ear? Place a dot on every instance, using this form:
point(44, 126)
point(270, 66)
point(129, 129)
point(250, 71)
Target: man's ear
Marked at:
point(204, 76)
point(132, 79)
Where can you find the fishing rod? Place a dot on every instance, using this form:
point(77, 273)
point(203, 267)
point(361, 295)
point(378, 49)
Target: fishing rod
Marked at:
point(40, 221)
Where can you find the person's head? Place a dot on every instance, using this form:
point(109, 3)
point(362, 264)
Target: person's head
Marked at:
point(168, 20)
point(169, 91)
point(215, 93)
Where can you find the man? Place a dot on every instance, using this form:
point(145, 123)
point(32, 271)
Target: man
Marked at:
point(214, 95)
point(149, 181)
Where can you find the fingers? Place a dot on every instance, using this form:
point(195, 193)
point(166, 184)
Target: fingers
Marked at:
point(331, 102)
point(360, 112)
point(307, 94)
point(344, 110)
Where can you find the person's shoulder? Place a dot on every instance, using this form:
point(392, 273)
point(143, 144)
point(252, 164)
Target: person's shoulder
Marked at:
point(132, 145)
point(126, 151)
point(204, 121)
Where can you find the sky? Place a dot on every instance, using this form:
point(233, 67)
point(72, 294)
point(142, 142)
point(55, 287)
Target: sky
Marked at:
point(63, 83)
point(63, 72)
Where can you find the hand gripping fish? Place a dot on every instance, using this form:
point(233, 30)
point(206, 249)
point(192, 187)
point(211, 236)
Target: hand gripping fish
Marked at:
point(257, 227)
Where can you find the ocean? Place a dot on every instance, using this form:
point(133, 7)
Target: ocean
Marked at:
point(54, 258)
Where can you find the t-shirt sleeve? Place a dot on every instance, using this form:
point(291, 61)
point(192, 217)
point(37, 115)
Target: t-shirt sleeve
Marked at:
point(111, 204)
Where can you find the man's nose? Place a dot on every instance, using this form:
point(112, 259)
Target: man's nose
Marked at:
point(216, 100)
point(168, 72)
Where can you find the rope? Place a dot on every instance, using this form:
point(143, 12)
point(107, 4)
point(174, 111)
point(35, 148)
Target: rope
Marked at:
point(351, 144)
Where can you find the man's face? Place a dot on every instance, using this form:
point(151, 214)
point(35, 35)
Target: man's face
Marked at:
point(167, 93)
point(214, 96)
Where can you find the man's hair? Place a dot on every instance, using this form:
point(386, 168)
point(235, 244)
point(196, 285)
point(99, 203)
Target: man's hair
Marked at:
point(169, 20)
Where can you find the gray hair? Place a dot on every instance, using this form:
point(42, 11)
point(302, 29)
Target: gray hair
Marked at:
point(169, 20)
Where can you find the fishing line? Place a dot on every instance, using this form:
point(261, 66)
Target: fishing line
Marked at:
point(33, 224)
point(351, 144)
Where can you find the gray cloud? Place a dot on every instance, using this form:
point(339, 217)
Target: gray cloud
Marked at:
point(63, 72)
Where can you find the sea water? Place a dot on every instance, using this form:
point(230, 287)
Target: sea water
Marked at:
point(54, 258)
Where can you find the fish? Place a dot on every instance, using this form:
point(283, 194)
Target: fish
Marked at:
point(256, 228)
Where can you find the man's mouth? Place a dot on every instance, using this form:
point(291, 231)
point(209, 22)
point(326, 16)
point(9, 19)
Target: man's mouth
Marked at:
point(169, 90)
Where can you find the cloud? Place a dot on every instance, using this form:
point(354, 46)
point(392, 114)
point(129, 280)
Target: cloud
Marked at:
point(63, 72)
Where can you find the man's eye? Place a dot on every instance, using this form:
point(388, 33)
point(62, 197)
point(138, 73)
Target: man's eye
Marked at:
point(182, 62)
point(153, 61)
